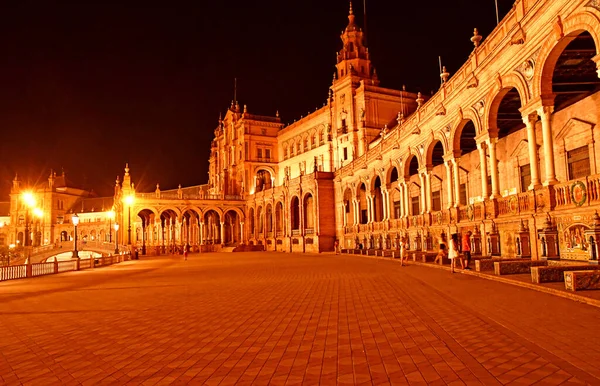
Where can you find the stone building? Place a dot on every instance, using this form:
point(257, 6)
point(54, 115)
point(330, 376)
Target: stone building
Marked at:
point(504, 149)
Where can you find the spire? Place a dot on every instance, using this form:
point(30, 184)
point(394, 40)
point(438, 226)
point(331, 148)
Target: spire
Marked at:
point(127, 169)
point(351, 25)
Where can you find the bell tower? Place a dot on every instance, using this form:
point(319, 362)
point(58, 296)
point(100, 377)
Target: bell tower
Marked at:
point(353, 58)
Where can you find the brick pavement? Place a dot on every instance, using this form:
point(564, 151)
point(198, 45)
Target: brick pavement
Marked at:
point(281, 319)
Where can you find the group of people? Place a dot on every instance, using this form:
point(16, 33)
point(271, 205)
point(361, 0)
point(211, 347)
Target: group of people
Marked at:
point(455, 252)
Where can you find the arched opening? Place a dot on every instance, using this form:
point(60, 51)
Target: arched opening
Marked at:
point(279, 219)
point(232, 234)
point(260, 220)
point(415, 187)
point(64, 236)
point(269, 218)
point(348, 208)
point(377, 200)
point(309, 214)
point(212, 222)
point(436, 160)
point(574, 74)
point(142, 220)
point(295, 213)
point(466, 145)
point(508, 117)
point(251, 222)
point(263, 181)
point(394, 193)
point(169, 232)
point(361, 196)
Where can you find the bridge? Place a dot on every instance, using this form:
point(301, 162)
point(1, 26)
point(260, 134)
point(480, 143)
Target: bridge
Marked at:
point(42, 253)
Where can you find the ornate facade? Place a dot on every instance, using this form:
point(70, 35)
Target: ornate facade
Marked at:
point(505, 149)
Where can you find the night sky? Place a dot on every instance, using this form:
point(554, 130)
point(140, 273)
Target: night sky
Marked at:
point(88, 86)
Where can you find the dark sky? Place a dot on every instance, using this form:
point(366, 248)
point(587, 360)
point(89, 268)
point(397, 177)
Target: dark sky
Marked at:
point(87, 86)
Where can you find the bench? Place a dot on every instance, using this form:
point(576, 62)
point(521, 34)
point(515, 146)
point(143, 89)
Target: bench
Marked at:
point(555, 273)
point(487, 263)
point(580, 280)
point(516, 267)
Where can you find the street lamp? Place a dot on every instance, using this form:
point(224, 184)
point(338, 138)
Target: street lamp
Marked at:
point(29, 200)
point(129, 201)
point(111, 215)
point(116, 238)
point(75, 220)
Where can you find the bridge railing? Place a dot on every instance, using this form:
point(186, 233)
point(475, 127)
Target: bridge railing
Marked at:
point(22, 271)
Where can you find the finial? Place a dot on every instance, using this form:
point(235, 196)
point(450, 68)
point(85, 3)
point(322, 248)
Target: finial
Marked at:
point(277, 113)
point(403, 87)
point(245, 109)
point(157, 186)
point(179, 186)
point(351, 11)
point(419, 99)
point(117, 181)
point(400, 118)
point(444, 75)
point(220, 117)
point(127, 169)
point(476, 38)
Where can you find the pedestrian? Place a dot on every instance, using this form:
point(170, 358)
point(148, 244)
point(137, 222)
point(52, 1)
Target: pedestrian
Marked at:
point(336, 246)
point(466, 248)
point(185, 252)
point(442, 252)
point(453, 253)
point(137, 256)
point(401, 244)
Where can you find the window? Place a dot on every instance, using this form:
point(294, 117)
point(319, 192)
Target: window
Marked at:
point(415, 205)
point(489, 186)
point(462, 194)
point(436, 200)
point(259, 153)
point(351, 48)
point(306, 144)
point(579, 162)
point(285, 153)
point(268, 154)
point(344, 128)
point(525, 172)
point(321, 139)
point(345, 153)
point(396, 209)
point(347, 204)
point(364, 217)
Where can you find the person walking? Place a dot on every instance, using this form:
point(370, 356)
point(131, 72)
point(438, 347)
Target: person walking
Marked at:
point(402, 245)
point(453, 253)
point(336, 247)
point(185, 252)
point(442, 252)
point(466, 248)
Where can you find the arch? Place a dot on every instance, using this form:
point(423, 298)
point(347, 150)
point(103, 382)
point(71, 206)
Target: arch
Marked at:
point(295, 212)
point(361, 196)
point(392, 174)
point(193, 209)
point(251, 222)
point(212, 225)
point(238, 211)
point(466, 130)
point(504, 100)
point(211, 207)
point(264, 180)
point(169, 208)
point(137, 210)
point(278, 217)
point(260, 219)
point(551, 50)
point(409, 164)
point(309, 212)
point(269, 217)
point(348, 206)
point(377, 200)
point(432, 153)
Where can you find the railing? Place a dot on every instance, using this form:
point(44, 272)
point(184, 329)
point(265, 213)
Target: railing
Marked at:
point(309, 231)
point(579, 192)
point(42, 269)
point(190, 196)
point(12, 272)
point(295, 232)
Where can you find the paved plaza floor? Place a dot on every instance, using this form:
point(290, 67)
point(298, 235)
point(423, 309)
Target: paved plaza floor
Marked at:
point(289, 319)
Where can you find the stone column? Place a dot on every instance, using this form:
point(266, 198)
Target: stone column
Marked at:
point(456, 181)
point(448, 165)
point(369, 209)
point(494, 167)
point(201, 233)
point(545, 112)
point(222, 232)
point(428, 196)
point(385, 204)
point(529, 121)
point(422, 193)
point(406, 199)
point(483, 169)
point(242, 241)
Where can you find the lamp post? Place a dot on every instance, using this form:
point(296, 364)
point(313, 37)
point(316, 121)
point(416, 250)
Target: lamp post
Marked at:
point(111, 215)
point(75, 220)
point(116, 238)
point(129, 201)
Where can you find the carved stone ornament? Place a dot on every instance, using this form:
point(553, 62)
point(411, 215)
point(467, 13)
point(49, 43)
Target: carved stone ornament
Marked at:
point(479, 107)
point(499, 81)
point(594, 4)
point(519, 36)
point(441, 110)
point(558, 28)
point(472, 81)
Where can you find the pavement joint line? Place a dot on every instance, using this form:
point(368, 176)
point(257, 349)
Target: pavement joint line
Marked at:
point(539, 288)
